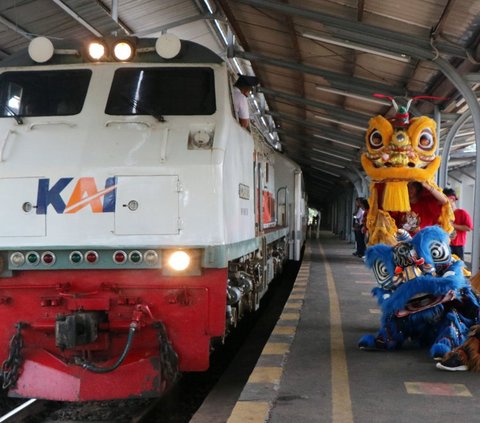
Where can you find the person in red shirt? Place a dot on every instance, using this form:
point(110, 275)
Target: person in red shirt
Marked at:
point(425, 207)
point(462, 224)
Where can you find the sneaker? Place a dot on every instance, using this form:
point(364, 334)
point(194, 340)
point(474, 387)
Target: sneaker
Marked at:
point(452, 364)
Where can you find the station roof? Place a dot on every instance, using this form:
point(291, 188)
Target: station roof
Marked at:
point(319, 63)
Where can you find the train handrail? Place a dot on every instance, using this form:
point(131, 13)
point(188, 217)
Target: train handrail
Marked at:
point(125, 122)
point(4, 143)
point(285, 223)
point(69, 124)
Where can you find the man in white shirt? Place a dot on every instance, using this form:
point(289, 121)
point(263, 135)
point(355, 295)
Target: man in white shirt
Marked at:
point(241, 91)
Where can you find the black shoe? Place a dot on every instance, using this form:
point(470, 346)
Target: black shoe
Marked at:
point(355, 254)
point(452, 364)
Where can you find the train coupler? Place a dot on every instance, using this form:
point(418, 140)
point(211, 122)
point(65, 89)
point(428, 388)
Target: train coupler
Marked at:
point(76, 329)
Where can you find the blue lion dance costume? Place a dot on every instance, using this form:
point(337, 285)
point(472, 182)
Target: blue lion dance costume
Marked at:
point(423, 294)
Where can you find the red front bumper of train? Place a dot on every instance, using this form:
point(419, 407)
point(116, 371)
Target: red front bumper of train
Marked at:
point(191, 309)
point(45, 376)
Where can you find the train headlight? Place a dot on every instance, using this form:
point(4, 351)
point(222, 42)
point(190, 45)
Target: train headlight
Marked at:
point(97, 50)
point(184, 262)
point(123, 51)
point(178, 260)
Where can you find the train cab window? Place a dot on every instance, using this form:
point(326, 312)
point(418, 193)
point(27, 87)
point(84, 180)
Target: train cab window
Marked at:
point(162, 91)
point(43, 93)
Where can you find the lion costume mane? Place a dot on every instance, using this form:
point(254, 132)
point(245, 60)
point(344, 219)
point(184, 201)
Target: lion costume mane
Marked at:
point(423, 294)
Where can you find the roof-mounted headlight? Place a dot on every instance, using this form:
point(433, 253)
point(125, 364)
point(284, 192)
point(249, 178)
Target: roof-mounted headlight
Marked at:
point(123, 51)
point(97, 50)
point(41, 49)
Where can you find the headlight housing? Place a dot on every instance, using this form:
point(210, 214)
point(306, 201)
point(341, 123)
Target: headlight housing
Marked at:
point(181, 262)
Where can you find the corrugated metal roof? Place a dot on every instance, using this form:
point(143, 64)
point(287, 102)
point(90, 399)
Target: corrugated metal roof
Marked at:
point(319, 94)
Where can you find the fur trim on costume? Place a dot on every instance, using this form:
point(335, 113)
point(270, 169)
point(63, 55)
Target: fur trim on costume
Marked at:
point(423, 294)
point(468, 353)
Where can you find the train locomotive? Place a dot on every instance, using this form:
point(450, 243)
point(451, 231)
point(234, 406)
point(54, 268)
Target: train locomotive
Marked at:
point(138, 222)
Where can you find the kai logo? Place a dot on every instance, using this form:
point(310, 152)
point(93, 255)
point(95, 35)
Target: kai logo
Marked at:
point(85, 194)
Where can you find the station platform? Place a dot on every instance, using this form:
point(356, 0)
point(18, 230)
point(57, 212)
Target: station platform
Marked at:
point(311, 369)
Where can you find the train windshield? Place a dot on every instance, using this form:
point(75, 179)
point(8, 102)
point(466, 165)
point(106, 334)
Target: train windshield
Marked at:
point(162, 91)
point(43, 93)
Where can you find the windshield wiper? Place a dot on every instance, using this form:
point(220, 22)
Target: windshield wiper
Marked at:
point(136, 104)
point(13, 114)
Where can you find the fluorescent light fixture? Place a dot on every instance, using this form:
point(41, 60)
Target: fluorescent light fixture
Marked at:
point(337, 141)
point(465, 134)
point(350, 125)
point(353, 95)
point(349, 44)
point(348, 159)
point(325, 171)
point(328, 163)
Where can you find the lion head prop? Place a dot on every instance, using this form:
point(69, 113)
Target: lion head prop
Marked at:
point(398, 151)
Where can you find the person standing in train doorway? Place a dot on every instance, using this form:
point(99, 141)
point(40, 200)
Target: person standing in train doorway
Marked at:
point(242, 89)
point(462, 224)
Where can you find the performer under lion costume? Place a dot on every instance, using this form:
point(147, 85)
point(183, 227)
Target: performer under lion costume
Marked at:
point(400, 150)
point(423, 294)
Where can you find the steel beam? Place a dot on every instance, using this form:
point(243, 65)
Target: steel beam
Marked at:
point(372, 36)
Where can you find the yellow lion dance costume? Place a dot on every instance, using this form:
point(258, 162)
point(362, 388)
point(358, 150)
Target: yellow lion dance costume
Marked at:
point(399, 151)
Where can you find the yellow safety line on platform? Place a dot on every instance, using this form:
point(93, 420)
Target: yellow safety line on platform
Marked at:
point(257, 411)
point(250, 412)
point(341, 401)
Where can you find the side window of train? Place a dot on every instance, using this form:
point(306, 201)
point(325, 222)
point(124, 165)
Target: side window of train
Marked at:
point(43, 93)
point(181, 91)
point(11, 96)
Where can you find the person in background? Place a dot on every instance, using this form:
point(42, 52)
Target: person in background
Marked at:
point(357, 228)
point(366, 208)
point(425, 204)
point(241, 91)
point(462, 224)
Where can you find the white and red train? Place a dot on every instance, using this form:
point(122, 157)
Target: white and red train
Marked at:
point(138, 220)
